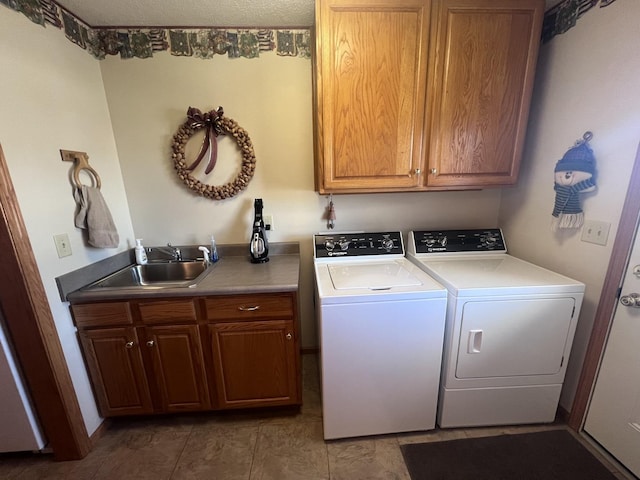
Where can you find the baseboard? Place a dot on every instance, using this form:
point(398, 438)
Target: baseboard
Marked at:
point(310, 350)
point(562, 415)
point(95, 437)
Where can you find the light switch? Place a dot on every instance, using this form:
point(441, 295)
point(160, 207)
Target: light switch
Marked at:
point(63, 246)
point(595, 232)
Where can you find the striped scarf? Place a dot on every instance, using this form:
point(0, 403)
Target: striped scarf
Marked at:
point(567, 198)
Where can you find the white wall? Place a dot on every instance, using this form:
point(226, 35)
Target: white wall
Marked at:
point(271, 98)
point(587, 79)
point(53, 98)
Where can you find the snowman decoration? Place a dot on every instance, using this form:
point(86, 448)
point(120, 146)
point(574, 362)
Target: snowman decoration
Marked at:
point(574, 175)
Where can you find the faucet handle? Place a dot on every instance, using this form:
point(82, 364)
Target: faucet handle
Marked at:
point(205, 254)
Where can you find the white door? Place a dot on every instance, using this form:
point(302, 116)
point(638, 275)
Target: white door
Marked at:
point(614, 413)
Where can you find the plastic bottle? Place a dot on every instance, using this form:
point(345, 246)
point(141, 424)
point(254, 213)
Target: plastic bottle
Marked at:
point(141, 254)
point(214, 250)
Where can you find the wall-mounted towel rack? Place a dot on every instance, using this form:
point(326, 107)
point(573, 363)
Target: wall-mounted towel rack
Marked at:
point(81, 162)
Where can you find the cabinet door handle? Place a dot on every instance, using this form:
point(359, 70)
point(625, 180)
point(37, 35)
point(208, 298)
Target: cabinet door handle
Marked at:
point(289, 336)
point(129, 345)
point(417, 171)
point(249, 309)
point(150, 343)
point(434, 171)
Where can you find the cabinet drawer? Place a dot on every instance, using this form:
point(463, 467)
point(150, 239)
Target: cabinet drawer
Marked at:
point(249, 307)
point(167, 311)
point(102, 314)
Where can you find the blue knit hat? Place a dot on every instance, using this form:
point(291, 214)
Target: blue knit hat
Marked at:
point(578, 158)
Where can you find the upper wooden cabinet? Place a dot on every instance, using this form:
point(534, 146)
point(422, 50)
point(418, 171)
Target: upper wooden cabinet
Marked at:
point(484, 56)
point(422, 95)
point(370, 78)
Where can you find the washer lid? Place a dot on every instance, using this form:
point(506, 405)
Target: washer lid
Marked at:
point(373, 276)
point(374, 281)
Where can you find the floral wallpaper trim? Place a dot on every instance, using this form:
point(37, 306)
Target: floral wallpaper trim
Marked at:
point(563, 16)
point(143, 42)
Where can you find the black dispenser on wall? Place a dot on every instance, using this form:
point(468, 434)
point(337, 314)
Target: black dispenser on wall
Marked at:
point(259, 246)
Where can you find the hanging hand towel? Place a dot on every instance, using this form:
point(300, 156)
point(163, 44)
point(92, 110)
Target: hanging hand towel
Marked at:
point(94, 216)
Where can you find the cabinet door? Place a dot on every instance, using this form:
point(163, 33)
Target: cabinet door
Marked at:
point(178, 367)
point(117, 373)
point(255, 363)
point(370, 74)
point(484, 54)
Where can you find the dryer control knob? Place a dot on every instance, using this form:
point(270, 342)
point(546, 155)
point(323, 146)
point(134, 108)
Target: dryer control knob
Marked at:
point(329, 245)
point(344, 244)
point(443, 241)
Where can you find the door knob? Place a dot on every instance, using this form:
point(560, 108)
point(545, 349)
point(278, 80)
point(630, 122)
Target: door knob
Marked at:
point(631, 300)
point(129, 345)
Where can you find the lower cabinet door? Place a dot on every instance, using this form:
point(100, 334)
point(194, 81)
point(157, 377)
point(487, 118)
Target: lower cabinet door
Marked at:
point(115, 364)
point(255, 363)
point(178, 367)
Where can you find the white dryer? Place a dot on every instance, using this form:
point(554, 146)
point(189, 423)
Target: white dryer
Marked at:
point(509, 329)
point(381, 328)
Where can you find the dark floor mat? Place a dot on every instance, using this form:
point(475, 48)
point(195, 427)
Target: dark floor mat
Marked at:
point(548, 455)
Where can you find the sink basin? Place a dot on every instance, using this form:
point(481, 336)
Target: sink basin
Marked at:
point(155, 275)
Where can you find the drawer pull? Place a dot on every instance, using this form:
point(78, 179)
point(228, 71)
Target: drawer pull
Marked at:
point(249, 309)
point(129, 345)
point(150, 343)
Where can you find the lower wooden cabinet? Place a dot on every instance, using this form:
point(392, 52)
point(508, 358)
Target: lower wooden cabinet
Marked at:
point(149, 356)
point(254, 363)
point(175, 352)
point(114, 361)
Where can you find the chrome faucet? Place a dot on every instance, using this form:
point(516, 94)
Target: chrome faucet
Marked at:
point(175, 252)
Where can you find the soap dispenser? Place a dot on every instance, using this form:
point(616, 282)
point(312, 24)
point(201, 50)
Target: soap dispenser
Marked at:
point(141, 254)
point(214, 250)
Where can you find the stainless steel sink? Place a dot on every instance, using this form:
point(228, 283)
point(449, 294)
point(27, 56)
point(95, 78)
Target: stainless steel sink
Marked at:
point(155, 275)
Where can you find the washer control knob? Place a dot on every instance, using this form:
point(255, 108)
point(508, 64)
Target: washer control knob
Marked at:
point(387, 243)
point(442, 241)
point(344, 244)
point(329, 245)
point(489, 240)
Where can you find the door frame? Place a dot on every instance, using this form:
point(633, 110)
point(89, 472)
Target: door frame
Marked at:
point(32, 329)
point(608, 298)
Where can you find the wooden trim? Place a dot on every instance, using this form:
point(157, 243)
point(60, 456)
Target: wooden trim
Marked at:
point(33, 332)
point(100, 432)
point(608, 297)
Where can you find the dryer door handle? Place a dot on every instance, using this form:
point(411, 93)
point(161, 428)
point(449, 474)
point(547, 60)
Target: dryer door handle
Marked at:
point(474, 343)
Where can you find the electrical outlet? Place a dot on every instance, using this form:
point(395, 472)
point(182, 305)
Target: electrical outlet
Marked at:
point(596, 232)
point(268, 222)
point(63, 246)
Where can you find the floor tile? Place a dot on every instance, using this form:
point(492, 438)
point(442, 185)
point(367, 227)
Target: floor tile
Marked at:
point(217, 451)
point(376, 458)
point(144, 453)
point(436, 435)
point(290, 452)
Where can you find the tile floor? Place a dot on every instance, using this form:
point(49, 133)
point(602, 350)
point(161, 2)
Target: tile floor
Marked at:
point(236, 446)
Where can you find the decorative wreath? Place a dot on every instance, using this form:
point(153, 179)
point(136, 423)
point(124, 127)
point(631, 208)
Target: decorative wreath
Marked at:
point(215, 124)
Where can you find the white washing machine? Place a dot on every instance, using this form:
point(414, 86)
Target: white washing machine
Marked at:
point(381, 327)
point(509, 329)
